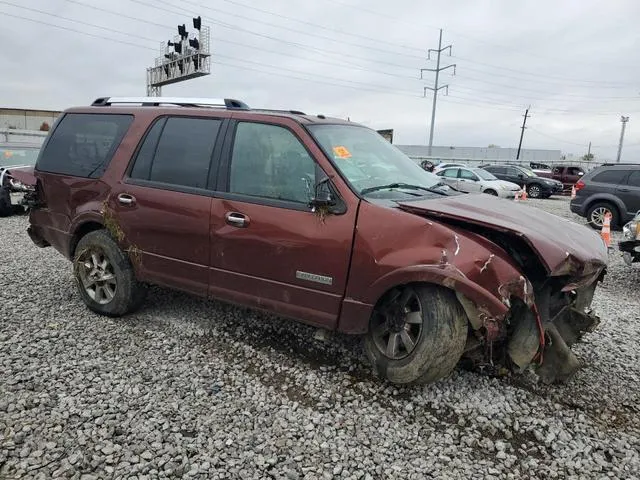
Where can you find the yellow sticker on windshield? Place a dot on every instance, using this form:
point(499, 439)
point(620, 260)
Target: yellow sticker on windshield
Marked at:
point(341, 152)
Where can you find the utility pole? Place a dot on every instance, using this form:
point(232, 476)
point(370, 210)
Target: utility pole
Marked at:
point(435, 87)
point(624, 121)
point(524, 122)
point(589, 151)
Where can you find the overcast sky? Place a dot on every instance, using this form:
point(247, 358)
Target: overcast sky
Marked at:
point(576, 62)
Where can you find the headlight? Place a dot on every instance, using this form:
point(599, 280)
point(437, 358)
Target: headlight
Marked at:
point(631, 231)
point(503, 187)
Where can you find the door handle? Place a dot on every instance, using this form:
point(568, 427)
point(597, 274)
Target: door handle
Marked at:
point(126, 199)
point(623, 190)
point(237, 219)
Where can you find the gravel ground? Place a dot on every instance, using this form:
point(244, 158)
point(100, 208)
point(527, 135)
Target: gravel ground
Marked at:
point(196, 389)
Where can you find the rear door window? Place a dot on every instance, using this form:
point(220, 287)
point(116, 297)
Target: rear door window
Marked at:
point(614, 177)
point(467, 175)
point(83, 144)
point(634, 179)
point(451, 173)
point(178, 152)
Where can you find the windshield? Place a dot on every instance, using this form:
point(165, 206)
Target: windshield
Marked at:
point(367, 160)
point(18, 156)
point(484, 175)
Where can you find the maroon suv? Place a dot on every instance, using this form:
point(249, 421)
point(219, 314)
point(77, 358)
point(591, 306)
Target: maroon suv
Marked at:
point(316, 219)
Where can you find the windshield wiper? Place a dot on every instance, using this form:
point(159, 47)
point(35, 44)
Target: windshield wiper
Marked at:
point(404, 185)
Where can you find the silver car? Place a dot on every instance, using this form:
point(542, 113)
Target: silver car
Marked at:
point(477, 180)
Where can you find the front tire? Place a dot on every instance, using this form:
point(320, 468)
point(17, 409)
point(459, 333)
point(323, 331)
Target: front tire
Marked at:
point(534, 190)
point(417, 334)
point(596, 213)
point(105, 277)
point(491, 192)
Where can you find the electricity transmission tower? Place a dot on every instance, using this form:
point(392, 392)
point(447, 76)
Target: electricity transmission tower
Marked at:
point(624, 121)
point(436, 87)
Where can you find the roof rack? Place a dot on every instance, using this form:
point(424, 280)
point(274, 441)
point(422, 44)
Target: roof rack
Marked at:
point(621, 163)
point(228, 103)
point(293, 112)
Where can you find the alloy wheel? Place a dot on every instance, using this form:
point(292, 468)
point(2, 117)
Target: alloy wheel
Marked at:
point(534, 191)
point(397, 324)
point(97, 277)
point(597, 216)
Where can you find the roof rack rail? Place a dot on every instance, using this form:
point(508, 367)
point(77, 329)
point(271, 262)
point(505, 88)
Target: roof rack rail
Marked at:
point(294, 112)
point(621, 163)
point(229, 103)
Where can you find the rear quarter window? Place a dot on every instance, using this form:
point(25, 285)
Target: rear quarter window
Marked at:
point(82, 144)
point(610, 176)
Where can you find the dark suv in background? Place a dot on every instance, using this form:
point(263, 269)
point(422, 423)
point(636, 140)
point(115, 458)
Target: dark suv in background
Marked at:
point(537, 187)
point(612, 188)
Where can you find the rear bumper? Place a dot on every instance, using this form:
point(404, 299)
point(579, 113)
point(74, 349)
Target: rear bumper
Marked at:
point(35, 234)
point(576, 208)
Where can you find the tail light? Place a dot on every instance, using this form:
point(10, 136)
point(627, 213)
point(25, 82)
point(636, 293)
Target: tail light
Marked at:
point(579, 185)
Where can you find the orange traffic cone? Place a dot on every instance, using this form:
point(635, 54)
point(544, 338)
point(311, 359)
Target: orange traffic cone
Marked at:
point(573, 192)
point(523, 194)
point(605, 233)
point(516, 198)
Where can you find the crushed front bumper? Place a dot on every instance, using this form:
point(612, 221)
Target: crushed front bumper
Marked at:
point(630, 251)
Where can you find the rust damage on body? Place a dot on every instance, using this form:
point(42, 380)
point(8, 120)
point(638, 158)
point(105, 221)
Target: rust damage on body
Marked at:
point(547, 304)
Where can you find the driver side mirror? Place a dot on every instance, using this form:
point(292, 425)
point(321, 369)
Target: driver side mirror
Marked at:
point(521, 176)
point(324, 196)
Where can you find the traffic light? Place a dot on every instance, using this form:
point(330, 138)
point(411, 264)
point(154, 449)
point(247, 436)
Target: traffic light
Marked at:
point(194, 43)
point(197, 23)
point(182, 31)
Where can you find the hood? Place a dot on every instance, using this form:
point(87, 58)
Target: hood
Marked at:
point(508, 185)
point(23, 174)
point(561, 244)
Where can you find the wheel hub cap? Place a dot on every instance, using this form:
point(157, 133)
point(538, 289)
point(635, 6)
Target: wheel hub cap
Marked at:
point(397, 325)
point(97, 277)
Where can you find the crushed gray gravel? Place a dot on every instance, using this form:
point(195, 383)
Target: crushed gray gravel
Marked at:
point(195, 389)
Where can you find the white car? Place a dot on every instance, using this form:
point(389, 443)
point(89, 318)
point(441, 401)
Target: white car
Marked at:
point(477, 180)
point(442, 166)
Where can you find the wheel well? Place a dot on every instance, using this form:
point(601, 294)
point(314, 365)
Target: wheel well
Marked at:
point(611, 203)
point(80, 232)
point(490, 190)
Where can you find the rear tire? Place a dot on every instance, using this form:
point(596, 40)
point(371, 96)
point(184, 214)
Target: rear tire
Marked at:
point(5, 202)
point(596, 212)
point(105, 276)
point(417, 334)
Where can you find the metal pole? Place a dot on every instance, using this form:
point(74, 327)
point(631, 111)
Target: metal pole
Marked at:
point(624, 121)
point(524, 122)
point(435, 95)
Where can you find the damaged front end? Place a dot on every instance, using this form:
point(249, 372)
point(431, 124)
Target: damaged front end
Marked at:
point(542, 269)
point(544, 319)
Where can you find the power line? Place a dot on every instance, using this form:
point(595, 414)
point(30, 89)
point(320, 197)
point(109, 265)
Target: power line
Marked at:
point(340, 54)
point(332, 80)
point(77, 31)
point(335, 30)
point(128, 34)
point(388, 17)
point(297, 31)
point(538, 74)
